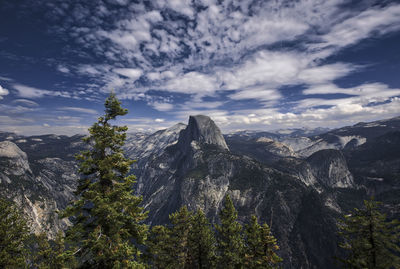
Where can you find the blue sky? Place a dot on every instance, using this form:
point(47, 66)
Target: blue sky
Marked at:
point(248, 64)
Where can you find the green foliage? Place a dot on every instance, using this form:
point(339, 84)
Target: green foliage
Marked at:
point(107, 218)
point(52, 254)
point(13, 236)
point(202, 243)
point(179, 236)
point(370, 240)
point(260, 246)
point(159, 248)
point(230, 244)
point(168, 246)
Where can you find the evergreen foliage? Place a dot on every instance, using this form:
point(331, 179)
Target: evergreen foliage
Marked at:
point(371, 240)
point(52, 254)
point(13, 235)
point(230, 243)
point(159, 251)
point(179, 236)
point(202, 243)
point(107, 219)
point(260, 246)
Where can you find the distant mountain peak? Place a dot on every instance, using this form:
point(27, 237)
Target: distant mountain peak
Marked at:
point(203, 130)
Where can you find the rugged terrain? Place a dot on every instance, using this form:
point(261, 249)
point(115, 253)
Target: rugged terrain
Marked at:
point(298, 181)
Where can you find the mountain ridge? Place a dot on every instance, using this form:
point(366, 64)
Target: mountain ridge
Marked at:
point(195, 165)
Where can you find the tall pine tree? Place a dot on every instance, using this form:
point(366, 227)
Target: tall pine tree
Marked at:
point(168, 246)
point(107, 219)
point(202, 243)
point(260, 246)
point(13, 235)
point(230, 244)
point(159, 248)
point(371, 240)
point(179, 236)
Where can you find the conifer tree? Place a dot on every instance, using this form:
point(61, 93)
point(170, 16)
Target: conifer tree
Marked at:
point(371, 240)
point(260, 246)
point(168, 246)
point(159, 248)
point(202, 244)
point(230, 245)
point(13, 236)
point(107, 219)
point(179, 236)
point(52, 254)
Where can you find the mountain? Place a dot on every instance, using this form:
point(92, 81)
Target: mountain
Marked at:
point(39, 188)
point(296, 183)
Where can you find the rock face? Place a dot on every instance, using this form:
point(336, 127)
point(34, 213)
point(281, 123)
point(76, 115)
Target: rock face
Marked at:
point(201, 129)
point(330, 169)
point(41, 194)
point(12, 157)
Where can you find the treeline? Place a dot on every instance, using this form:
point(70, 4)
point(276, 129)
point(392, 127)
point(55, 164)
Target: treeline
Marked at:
point(108, 229)
point(188, 241)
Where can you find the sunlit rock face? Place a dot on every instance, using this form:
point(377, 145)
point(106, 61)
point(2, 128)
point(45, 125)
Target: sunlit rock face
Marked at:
point(330, 169)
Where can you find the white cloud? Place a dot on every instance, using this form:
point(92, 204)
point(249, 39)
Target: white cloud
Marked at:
point(31, 92)
point(63, 69)
point(371, 21)
point(361, 95)
point(271, 69)
point(5, 78)
point(161, 75)
point(257, 92)
point(325, 73)
point(159, 120)
point(3, 92)
point(25, 102)
point(79, 110)
point(193, 83)
point(131, 73)
point(6, 121)
point(160, 106)
point(181, 6)
point(16, 109)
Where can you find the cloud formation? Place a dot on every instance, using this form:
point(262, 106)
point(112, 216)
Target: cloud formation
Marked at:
point(3, 92)
point(257, 63)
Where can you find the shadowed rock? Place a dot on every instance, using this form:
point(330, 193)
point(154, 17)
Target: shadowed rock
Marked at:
point(202, 130)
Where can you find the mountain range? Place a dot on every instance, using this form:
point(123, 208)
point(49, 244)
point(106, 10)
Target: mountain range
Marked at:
point(298, 181)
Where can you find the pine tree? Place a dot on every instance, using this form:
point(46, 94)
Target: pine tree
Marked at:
point(230, 245)
point(260, 246)
point(159, 248)
point(202, 243)
point(107, 219)
point(168, 246)
point(371, 240)
point(52, 254)
point(179, 236)
point(13, 235)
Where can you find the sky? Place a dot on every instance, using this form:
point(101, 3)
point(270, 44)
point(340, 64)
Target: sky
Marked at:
point(249, 64)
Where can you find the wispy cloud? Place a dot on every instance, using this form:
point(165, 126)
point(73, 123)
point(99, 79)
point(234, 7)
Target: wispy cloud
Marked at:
point(79, 110)
point(374, 21)
point(25, 102)
point(3, 92)
point(32, 92)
